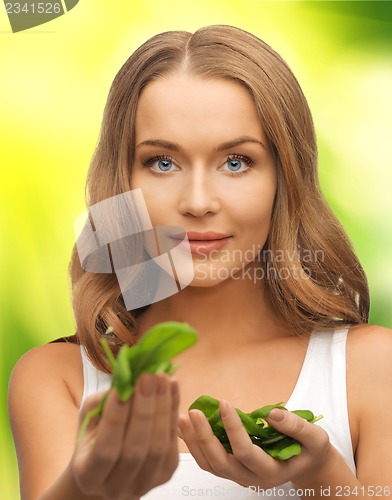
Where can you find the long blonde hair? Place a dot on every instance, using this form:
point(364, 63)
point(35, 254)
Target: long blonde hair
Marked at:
point(314, 292)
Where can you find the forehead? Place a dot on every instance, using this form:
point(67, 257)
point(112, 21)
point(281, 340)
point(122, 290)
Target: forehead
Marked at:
point(184, 105)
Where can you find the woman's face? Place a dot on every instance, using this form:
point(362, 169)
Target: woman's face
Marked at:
point(203, 164)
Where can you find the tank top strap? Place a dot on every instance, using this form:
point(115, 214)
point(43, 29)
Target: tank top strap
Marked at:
point(322, 388)
point(94, 380)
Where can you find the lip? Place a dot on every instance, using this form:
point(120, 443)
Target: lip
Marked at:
point(207, 236)
point(206, 242)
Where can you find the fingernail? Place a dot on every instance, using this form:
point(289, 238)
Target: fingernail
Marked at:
point(182, 419)
point(174, 389)
point(276, 415)
point(148, 385)
point(163, 385)
point(195, 418)
point(224, 407)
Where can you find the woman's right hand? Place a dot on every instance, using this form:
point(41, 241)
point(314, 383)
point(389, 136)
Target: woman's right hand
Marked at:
point(133, 447)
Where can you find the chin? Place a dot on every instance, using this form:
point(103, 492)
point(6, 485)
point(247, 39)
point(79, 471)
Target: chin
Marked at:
point(209, 275)
point(204, 283)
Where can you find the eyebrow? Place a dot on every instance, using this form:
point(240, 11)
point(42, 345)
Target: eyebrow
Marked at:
point(222, 147)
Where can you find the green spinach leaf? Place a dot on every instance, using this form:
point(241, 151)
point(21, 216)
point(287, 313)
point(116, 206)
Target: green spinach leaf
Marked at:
point(262, 434)
point(152, 354)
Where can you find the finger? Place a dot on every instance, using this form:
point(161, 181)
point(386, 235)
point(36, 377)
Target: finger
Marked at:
point(175, 398)
point(188, 435)
point(240, 441)
point(97, 461)
point(138, 431)
point(220, 462)
point(171, 459)
point(250, 456)
point(162, 426)
point(311, 436)
point(162, 457)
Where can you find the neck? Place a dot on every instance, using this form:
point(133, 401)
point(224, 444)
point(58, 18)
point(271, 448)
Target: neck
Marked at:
point(238, 310)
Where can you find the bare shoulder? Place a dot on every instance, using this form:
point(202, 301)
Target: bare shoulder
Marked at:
point(369, 374)
point(370, 342)
point(57, 363)
point(369, 382)
point(369, 354)
point(45, 389)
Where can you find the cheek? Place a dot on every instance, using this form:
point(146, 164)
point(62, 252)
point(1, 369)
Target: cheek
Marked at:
point(258, 229)
point(154, 199)
point(254, 211)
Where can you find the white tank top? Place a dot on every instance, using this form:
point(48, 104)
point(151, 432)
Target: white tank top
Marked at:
point(321, 387)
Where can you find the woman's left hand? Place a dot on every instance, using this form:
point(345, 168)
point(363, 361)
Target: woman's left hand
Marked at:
point(249, 465)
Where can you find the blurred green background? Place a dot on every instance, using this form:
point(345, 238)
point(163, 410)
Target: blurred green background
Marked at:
point(53, 87)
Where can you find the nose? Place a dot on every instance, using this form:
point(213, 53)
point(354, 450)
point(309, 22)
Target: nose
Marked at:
point(199, 193)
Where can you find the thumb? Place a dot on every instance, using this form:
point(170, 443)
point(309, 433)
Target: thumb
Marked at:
point(293, 425)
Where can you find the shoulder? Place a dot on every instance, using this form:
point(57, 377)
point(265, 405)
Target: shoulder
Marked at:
point(369, 382)
point(53, 356)
point(370, 343)
point(369, 374)
point(369, 354)
point(58, 364)
point(45, 389)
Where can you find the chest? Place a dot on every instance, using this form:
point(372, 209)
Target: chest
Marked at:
point(264, 375)
point(249, 377)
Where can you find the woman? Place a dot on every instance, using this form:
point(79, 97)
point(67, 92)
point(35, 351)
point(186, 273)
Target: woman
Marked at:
point(215, 131)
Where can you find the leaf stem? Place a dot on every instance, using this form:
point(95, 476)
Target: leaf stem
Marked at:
point(95, 412)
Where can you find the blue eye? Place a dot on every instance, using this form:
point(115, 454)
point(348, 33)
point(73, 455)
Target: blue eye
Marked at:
point(234, 165)
point(165, 165)
point(160, 165)
point(237, 164)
